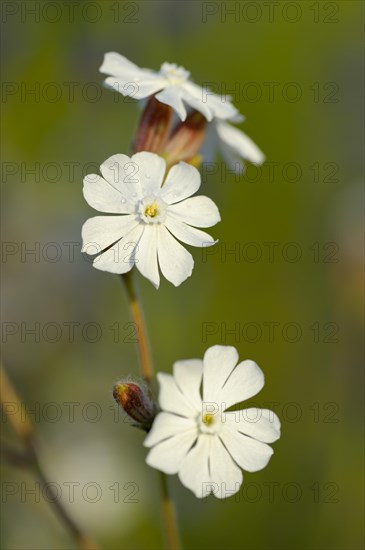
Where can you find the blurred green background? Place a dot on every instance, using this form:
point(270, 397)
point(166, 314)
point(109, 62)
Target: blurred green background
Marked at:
point(295, 71)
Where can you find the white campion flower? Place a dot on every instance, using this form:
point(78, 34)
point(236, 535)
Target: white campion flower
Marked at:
point(170, 85)
point(197, 438)
point(151, 212)
point(233, 144)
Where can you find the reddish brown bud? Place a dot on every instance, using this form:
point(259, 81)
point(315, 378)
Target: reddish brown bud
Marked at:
point(153, 127)
point(137, 403)
point(186, 140)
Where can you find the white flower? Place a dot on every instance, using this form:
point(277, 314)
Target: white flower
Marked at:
point(170, 85)
point(151, 212)
point(234, 145)
point(197, 438)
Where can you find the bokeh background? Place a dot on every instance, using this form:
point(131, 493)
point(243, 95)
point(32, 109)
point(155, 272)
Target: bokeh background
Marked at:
point(295, 71)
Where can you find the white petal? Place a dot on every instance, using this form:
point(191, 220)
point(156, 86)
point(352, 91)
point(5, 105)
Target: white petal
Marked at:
point(261, 424)
point(114, 171)
point(146, 254)
point(193, 95)
point(167, 425)
point(129, 79)
point(199, 211)
point(120, 258)
point(221, 106)
point(226, 477)
point(211, 105)
point(219, 362)
point(209, 147)
point(151, 171)
point(135, 86)
point(237, 118)
point(169, 455)
point(171, 399)
point(105, 197)
point(239, 143)
point(246, 380)
point(194, 471)
point(172, 96)
point(187, 234)
point(100, 232)
point(232, 160)
point(122, 173)
point(176, 263)
point(249, 454)
point(114, 63)
point(188, 376)
point(183, 180)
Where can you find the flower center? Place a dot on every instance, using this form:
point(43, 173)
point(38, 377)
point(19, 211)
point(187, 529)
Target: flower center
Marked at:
point(209, 422)
point(174, 73)
point(152, 210)
point(208, 419)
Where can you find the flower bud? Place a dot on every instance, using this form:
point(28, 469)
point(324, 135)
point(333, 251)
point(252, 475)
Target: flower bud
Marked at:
point(137, 402)
point(153, 127)
point(186, 140)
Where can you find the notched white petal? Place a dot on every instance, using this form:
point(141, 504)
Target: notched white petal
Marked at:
point(120, 258)
point(219, 362)
point(150, 173)
point(113, 170)
point(188, 234)
point(167, 425)
point(188, 376)
point(171, 399)
point(194, 471)
point(146, 255)
point(245, 381)
point(103, 196)
point(102, 231)
point(176, 263)
point(261, 424)
point(182, 181)
point(225, 475)
point(168, 455)
point(199, 211)
point(251, 455)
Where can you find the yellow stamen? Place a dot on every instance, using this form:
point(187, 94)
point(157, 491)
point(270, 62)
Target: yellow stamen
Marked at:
point(208, 419)
point(151, 210)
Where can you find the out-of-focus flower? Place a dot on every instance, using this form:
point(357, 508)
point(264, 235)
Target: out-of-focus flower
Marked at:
point(198, 438)
point(152, 211)
point(170, 85)
point(234, 146)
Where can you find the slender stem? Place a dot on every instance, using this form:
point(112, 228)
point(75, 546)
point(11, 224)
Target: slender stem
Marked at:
point(167, 505)
point(136, 310)
point(169, 516)
point(23, 428)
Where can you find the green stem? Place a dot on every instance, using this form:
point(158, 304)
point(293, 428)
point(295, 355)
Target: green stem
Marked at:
point(169, 516)
point(167, 505)
point(142, 342)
